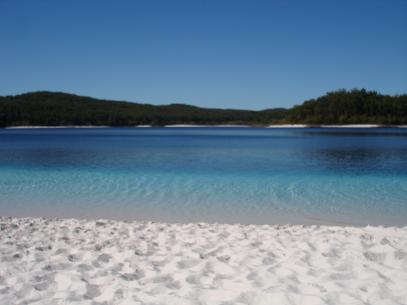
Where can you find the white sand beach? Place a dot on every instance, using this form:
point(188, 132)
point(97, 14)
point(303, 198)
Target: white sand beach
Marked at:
point(326, 126)
point(185, 125)
point(352, 126)
point(288, 126)
point(205, 126)
point(70, 261)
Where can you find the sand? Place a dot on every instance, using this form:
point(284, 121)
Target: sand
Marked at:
point(70, 261)
point(326, 126)
point(206, 126)
point(352, 126)
point(288, 126)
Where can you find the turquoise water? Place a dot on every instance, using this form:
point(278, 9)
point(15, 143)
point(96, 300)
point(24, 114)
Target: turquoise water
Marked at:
point(246, 175)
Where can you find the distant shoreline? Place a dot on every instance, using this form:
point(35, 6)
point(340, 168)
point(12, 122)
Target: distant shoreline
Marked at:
point(212, 126)
point(337, 109)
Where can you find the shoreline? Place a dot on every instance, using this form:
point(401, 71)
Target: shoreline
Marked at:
point(317, 222)
point(71, 261)
point(206, 223)
point(350, 126)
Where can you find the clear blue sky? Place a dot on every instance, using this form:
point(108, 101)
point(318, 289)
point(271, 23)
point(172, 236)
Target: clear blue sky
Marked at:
point(240, 54)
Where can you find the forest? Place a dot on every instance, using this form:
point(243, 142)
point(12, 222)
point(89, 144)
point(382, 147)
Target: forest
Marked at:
point(44, 108)
point(351, 107)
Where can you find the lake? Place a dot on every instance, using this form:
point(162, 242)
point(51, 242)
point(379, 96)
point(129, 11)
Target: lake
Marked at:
point(245, 175)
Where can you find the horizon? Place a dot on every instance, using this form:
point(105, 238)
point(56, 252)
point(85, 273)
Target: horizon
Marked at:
point(233, 55)
point(189, 104)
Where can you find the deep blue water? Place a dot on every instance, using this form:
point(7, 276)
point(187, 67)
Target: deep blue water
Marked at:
point(247, 175)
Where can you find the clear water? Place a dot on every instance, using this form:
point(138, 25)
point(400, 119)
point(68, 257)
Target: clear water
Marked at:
point(246, 175)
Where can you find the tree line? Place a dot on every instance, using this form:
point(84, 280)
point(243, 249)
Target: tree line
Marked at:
point(339, 107)
point(351, 107)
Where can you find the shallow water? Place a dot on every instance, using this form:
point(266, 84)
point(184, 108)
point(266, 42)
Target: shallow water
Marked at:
point(247, 175)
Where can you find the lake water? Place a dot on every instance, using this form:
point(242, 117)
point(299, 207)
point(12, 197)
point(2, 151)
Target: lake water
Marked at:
point(246, 175)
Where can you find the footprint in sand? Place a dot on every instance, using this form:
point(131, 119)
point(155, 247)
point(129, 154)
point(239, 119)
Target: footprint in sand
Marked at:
point(92, 291)
point(138, 274)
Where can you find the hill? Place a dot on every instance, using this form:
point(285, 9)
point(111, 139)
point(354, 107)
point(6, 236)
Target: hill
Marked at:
point(338, 107)
point(56, 108)
point(351, 107)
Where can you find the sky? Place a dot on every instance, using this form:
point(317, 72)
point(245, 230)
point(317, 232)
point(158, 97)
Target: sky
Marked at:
point(228, 54)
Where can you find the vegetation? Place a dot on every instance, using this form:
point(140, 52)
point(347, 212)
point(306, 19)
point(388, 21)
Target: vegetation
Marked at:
point(339, 107)
point(351, 107)
point(52, 109)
